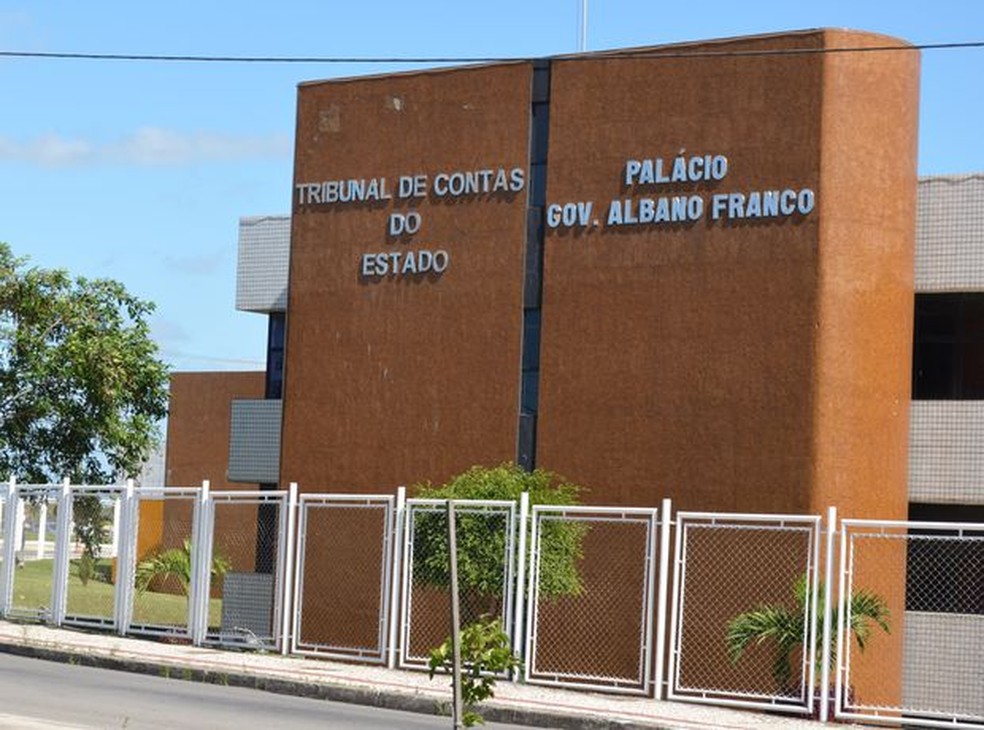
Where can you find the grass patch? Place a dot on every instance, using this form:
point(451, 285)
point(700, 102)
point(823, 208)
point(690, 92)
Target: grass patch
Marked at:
point(32, 591)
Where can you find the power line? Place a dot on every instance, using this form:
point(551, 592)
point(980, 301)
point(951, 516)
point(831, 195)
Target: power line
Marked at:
point(648, 54)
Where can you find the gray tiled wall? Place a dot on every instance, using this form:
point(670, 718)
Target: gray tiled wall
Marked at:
point(950, 233)
point(946, 458)
point(254, 441)
point(943, 670)
point(261, 271)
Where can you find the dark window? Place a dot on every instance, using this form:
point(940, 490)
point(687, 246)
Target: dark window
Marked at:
point(276, 331)
point(948, 347)
point(945, 573)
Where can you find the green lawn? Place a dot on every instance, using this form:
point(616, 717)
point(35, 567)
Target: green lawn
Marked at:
point(32, 590)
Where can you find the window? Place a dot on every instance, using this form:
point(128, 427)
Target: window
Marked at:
point(948, 348)
point(275, 356)
point(944, 573)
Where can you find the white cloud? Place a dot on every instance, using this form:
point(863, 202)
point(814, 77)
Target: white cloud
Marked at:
point(146, 147)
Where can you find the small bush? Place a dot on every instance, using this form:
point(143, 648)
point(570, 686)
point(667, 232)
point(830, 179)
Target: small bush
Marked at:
point(485, 652)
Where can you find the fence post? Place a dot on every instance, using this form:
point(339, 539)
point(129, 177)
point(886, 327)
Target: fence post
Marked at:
point(665, 522)
point(827, 597)
point(42, 530)
point(287, 623)
point(394, 605)
point(20, 543)
point(9, 548)
point(200, 560)
point(114, 546)
point(519, 604)
point(456, 707)
point(841, 611)
point(63, 539)
point(125, 557)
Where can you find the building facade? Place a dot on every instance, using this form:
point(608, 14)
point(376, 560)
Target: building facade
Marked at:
point(705, 272)
point(654, 294)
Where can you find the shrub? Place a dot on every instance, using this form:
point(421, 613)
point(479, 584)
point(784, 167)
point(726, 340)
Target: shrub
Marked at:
point(481, 542)
point(485, 652)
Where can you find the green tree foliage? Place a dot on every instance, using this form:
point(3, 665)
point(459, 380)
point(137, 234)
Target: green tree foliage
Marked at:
point(485, 653)
point(784, 628)
point(81, 386)
point(481, 537)
point(91, 530)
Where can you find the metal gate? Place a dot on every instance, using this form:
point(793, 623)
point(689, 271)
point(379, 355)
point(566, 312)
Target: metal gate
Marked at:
point(33, 577)
point(737, 577)
point(93, 595)
point(242, 568)
point(927, 668)
point(344, 576)
point(590, 598)
point(158, 557)
point(486, 532)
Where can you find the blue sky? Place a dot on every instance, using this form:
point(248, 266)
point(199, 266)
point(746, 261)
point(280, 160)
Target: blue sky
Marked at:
point(140, 171)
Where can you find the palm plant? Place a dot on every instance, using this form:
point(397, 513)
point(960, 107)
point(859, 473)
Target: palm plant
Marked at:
point(785, 628)
point(174, 563)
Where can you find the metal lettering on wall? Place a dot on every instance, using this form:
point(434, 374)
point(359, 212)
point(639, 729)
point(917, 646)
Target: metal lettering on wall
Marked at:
point(643, 175)
point(470, 184)
point(638, 176)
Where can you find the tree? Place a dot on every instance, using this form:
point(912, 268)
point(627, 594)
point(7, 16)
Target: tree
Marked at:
point(81, 386)
point(91, 530)
point(481, 536)
point(785, 627)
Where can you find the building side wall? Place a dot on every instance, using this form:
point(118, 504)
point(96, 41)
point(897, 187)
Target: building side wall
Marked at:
point(198, 425)
point(864, 329)
point(867, 238)
point(198, 449)
point(395, 379)
point(677, 359)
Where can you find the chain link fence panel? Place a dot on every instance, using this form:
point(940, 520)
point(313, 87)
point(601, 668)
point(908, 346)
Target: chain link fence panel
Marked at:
point(91, 588)
point(590, 602)
point(743, 610)
point(928, 580)
point(344, 574)
point(32, 579)
point(485, 536)
point(245, 552)
point(162, 533)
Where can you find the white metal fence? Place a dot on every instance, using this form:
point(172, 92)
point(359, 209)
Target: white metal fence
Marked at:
point(486, 531)
point(935, 570)
point(591, 587)
point(738, 576)
point(743, 618)
point(344, 576)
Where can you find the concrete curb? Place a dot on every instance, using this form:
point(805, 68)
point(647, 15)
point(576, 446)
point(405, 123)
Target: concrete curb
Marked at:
point(387, 699)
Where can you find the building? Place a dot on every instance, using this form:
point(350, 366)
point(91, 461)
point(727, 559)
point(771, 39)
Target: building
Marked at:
point(687, 271)
point(654, 294)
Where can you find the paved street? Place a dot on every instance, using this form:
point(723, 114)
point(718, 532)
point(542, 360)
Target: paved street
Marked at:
point(43, 695)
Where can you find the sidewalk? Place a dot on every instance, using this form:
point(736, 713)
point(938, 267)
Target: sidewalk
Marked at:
point(374, 686)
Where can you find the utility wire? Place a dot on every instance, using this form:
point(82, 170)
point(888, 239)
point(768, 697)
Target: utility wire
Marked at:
point(654, 53)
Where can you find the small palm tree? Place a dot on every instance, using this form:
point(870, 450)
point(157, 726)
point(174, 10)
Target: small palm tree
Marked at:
point(174, 563)
point(785, 627)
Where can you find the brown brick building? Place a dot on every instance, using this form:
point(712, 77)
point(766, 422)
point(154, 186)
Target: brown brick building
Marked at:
point(683, 271)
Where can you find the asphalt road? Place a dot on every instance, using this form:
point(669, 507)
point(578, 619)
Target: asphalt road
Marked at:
point(43, 695)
